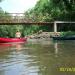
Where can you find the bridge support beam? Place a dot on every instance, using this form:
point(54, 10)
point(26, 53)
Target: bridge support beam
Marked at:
point(55, 26)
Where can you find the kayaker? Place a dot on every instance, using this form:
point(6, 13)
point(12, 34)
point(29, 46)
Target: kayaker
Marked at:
point(18, 34)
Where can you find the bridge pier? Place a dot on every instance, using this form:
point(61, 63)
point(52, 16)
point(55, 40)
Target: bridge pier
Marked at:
point(55, 26)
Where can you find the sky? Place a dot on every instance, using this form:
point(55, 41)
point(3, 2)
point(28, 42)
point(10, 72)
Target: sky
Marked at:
point(17, 6)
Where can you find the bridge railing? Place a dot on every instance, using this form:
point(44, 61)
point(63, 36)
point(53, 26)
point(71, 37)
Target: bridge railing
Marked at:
point(14, 18)
point(19, 18)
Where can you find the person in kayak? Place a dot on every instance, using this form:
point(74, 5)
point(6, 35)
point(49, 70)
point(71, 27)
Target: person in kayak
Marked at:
point(18, 34)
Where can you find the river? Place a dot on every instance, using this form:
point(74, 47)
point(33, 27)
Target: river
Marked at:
point(38, 57)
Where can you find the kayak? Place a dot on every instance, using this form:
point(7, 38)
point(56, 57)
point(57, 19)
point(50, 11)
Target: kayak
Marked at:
point(7, 40)
point(63, 38)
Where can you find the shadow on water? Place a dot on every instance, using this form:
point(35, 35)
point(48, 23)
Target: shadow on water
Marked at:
point(37, 57)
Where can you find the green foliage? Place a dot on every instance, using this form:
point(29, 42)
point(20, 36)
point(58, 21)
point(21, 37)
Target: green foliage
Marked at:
point(49, 10)
point(68, 33)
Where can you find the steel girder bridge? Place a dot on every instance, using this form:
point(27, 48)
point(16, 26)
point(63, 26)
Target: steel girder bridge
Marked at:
point(19, 18)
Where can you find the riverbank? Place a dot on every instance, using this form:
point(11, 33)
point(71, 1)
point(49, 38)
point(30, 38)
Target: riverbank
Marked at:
point(42, 35)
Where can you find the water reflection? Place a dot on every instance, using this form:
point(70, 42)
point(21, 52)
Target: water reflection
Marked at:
point(18, 46)
point(37, 58)
point(56, 48)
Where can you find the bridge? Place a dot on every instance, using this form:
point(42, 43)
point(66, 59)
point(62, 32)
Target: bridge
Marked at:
point(19, 18)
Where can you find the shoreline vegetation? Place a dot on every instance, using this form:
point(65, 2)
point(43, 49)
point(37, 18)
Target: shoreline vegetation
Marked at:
point(30, 32)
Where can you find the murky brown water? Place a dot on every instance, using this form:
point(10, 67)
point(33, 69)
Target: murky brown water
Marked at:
point(37, 58)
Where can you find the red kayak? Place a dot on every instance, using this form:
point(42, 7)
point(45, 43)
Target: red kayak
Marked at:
point(6, 40)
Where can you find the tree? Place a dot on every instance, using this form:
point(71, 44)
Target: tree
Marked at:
point(56, 9)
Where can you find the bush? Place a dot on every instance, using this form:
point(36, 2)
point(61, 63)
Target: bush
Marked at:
point(69, 33)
